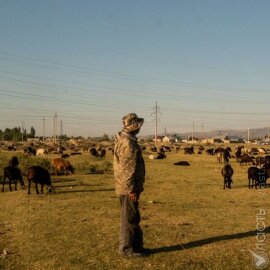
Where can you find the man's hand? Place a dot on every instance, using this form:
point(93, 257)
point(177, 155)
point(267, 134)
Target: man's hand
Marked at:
point(133, 196)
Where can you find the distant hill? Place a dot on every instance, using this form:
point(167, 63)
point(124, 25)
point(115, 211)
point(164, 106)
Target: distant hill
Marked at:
point(253, 133)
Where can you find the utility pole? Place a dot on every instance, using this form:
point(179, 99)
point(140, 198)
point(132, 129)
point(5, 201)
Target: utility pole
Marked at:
point(22, 130)
point(43, 119)
point(53, 136)
point(202, 133)
point(156, 109)
point(155, 113)
point(61, 128)
point(248, 134)
point(54, 127)
point(165, 132)
point(193, 132)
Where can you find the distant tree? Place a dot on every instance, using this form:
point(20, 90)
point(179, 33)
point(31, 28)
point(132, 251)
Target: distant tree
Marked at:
point(32, 133)
point(7, 134)
point(106, 137)
point(16, 134)
point(64, 138)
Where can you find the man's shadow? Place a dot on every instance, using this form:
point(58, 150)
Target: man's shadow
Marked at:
point(206, 241)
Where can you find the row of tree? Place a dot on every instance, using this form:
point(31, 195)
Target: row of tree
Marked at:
point(16, 134)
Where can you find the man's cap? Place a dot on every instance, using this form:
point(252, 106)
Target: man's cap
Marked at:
point(132, 122)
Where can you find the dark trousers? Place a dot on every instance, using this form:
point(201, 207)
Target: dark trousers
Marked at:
point(131, 236)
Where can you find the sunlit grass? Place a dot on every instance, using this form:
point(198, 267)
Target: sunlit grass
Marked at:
point(188, 220)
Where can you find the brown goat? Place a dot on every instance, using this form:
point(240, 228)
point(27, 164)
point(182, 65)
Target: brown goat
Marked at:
point(38, 175)
point(60, 164)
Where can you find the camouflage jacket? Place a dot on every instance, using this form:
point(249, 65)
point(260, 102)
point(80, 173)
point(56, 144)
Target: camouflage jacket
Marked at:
point(129, 168)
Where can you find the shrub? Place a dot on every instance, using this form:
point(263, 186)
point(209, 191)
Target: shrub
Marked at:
point(24, 161)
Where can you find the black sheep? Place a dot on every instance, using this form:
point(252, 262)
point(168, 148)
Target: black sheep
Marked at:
point(94, 152)
point(246, 159)
point(102, 153)
point(13, 174)
point(257, 176)
point(189, 150)
point(227, 173)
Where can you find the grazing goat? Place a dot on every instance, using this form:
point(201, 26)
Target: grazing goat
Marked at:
point(201, 148)
point(38, 175)
point(60, 149)
point(14, 174)
point(246, 159)
point(159, 155)
point(258, 176)
point(219, 157)
point(94, 152)
point(102, 153)
point(227, 173)
point(189, 150)
point(165, 148)
point(30, 151)
point(223, 154)
point(11, 148)
point(262, 150)
point(210, 151)
point(238, 151)
point(60, 164)
point(253, 176)
point(41, 152)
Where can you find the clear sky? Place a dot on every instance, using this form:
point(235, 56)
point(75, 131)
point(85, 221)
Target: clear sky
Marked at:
point(92, 62)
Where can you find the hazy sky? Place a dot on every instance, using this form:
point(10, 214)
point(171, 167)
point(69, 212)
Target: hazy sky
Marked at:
point(92, 62)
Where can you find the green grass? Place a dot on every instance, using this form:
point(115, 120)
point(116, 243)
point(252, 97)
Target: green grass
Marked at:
point(188, 220)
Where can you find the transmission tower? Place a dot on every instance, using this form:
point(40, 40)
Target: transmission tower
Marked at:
point(155, 114)
point(43, 119)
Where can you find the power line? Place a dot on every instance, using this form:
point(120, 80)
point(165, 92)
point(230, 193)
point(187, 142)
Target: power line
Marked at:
point(125, 76)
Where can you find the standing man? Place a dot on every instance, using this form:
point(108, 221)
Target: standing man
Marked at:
point(129, 172)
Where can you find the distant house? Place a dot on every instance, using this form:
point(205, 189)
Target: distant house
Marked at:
point(168, 139)
point(33, 139)
point(216, 139)
point(224, 139)
point(159, 139)
point(232, 139)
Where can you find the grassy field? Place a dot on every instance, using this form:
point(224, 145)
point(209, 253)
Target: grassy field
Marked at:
point(188, 220)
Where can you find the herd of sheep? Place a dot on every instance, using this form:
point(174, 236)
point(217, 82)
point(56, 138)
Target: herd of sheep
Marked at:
point(257, 174)
point(37, 174)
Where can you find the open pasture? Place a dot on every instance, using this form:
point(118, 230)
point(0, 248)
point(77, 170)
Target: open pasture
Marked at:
point(188, 220)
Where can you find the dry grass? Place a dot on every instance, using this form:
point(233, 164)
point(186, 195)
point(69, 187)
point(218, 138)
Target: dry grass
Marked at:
point(188, 220)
